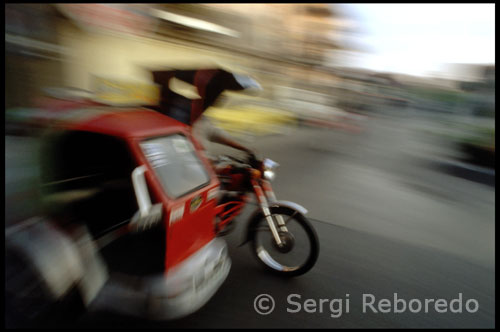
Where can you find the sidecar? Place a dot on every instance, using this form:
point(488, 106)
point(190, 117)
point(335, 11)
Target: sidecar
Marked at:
point(103, 168)
point(126, 220)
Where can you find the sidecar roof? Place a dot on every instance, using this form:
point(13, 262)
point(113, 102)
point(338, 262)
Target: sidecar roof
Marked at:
point(120, 122)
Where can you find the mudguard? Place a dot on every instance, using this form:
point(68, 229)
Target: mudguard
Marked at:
point(258, 215)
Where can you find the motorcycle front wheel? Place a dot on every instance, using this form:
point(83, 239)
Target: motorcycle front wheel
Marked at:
point(300, 246)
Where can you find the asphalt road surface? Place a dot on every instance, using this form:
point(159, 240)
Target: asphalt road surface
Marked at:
point(389, 222)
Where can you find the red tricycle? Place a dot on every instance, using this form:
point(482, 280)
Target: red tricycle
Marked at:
point(132, 213)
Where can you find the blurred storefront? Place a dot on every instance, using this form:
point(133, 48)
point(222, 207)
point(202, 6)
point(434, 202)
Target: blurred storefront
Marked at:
point(279, 44)
point(33, 53)
point(286, 47)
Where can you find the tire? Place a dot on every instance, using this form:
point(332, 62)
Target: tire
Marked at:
point(27, 300)
point(301, 221)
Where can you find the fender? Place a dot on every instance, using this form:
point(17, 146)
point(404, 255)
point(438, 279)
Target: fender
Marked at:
point(291, 205)
point(258, 214)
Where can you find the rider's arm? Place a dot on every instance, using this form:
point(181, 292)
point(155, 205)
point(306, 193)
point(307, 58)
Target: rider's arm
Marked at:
point(223, 139)
point(219, 136)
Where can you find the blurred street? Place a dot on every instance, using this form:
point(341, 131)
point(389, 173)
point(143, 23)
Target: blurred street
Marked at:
point(389, 221)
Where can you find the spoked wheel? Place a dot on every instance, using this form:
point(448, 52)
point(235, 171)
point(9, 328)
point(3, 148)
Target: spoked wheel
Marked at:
point(299, 247)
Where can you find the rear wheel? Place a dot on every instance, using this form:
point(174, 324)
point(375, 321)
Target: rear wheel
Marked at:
point(300, 246)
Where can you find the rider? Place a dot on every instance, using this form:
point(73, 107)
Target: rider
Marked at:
point(205, 132)
point(206, 85)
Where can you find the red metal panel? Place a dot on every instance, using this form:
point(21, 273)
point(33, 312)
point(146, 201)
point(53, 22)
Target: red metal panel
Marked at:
point(195, 228)
point(132, 123)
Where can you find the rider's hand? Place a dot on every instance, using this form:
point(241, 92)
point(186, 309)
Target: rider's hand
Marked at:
point(252, 158)
point(250, 152)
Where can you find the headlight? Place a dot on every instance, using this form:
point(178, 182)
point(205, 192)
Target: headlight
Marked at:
point(268, 167)
point(269, 175)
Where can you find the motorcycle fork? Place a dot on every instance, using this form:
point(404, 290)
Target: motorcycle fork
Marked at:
point(268, 191)
point(263, 202)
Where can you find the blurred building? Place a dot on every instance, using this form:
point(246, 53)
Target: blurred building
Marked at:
point(366, 90)
point(33, 53)
point(287, 47)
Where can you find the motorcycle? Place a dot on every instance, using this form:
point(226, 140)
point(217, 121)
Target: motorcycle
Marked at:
point(284, 221)
point(281, 237)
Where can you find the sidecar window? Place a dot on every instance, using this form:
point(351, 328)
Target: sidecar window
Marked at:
point(175, 163)
point(88, 175)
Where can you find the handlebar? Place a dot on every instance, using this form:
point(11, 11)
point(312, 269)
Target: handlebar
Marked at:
point(235, 159)
point(251, 160)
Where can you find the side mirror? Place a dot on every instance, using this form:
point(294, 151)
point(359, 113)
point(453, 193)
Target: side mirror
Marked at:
point(148, 215)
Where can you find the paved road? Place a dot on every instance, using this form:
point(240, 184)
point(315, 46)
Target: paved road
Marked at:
point(388, 222)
